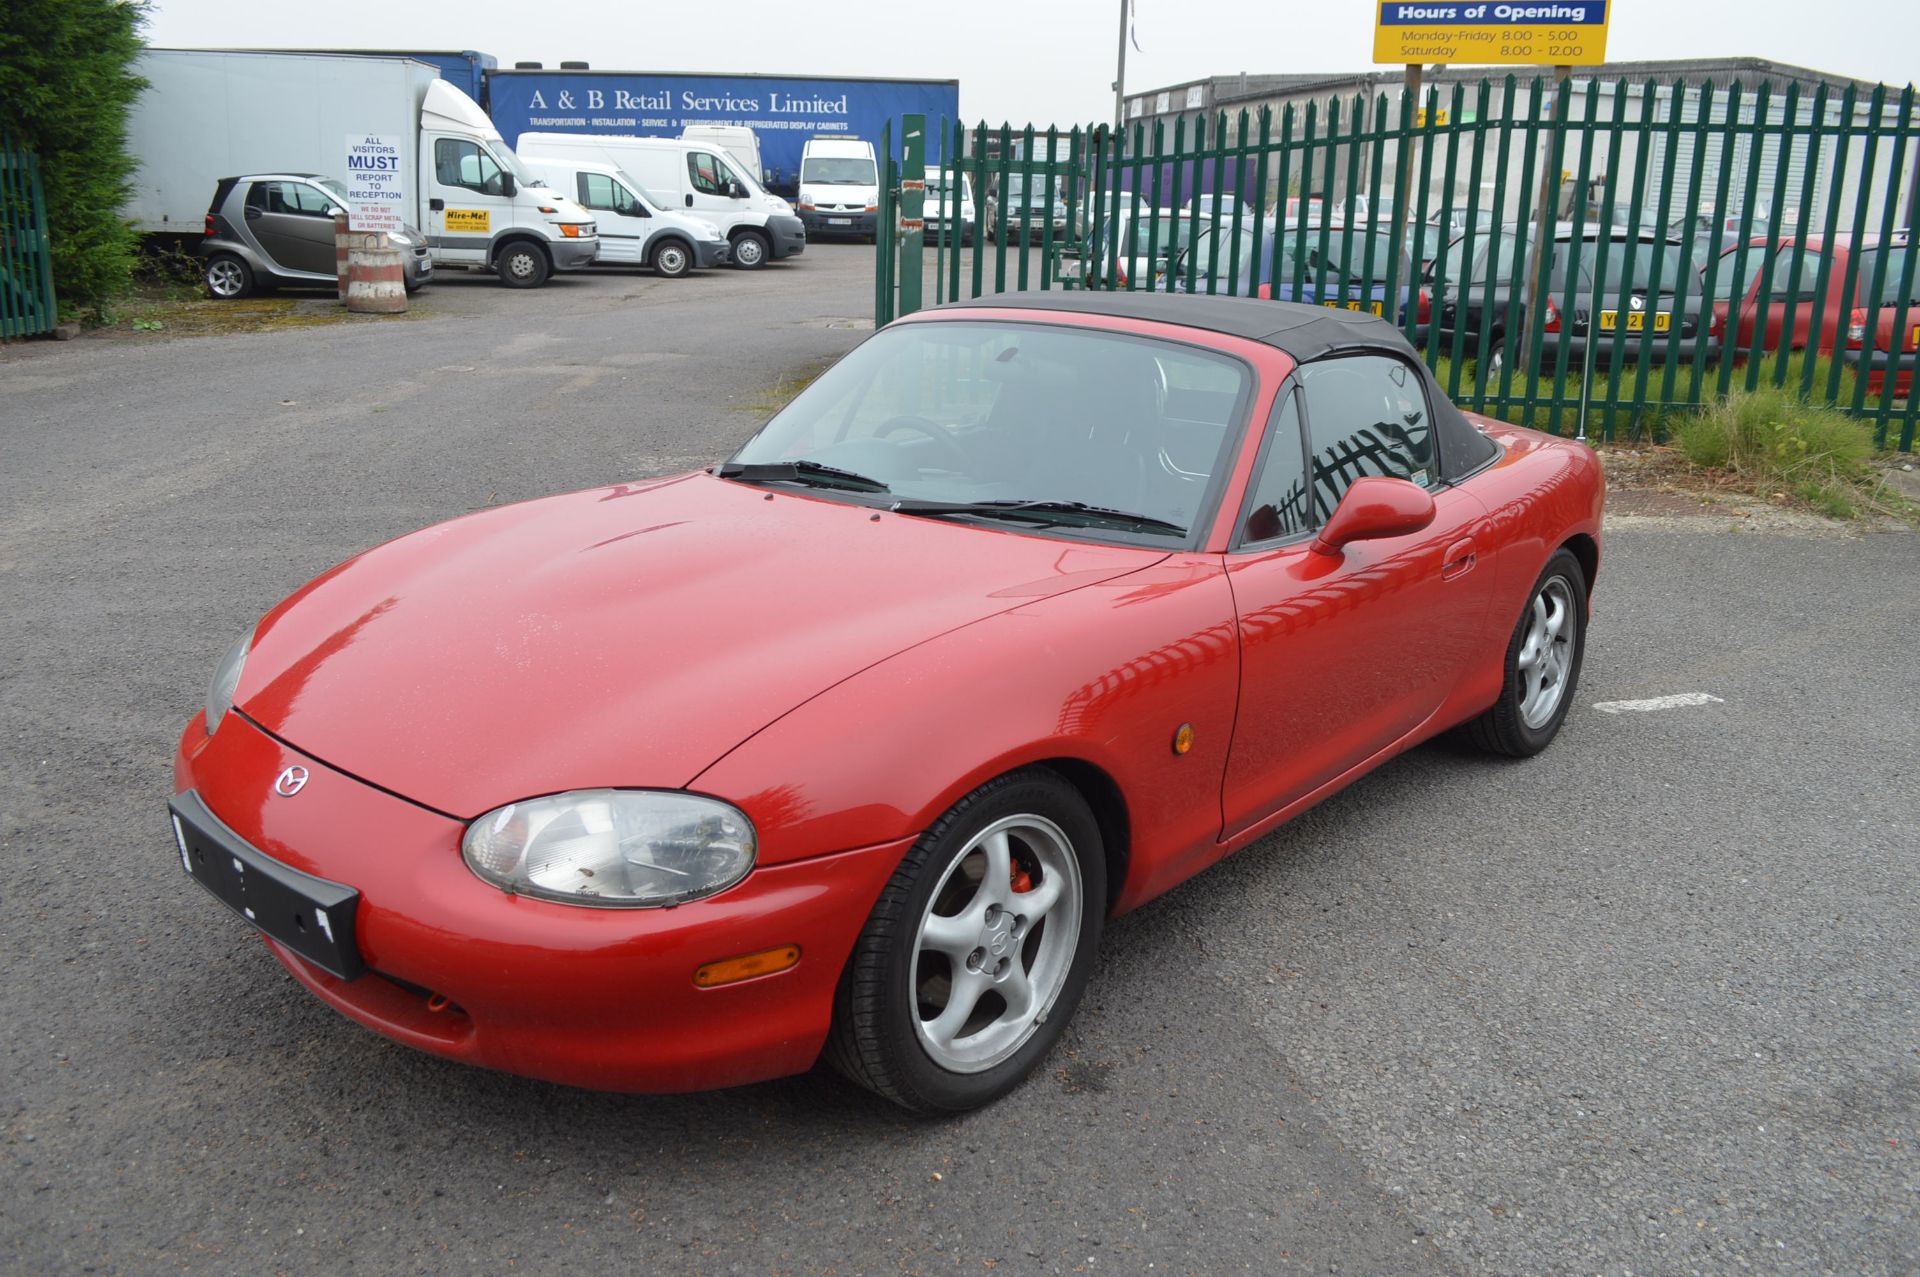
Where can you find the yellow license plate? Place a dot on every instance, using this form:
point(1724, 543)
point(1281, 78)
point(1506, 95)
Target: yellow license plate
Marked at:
point(1373, 307)
point(1636, 321)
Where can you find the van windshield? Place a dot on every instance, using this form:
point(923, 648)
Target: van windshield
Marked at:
point(838, 172)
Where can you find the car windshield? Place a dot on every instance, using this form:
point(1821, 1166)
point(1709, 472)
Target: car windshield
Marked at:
point(966, 412)
point(332, 187)
point(838, 172)
point(1615, 278)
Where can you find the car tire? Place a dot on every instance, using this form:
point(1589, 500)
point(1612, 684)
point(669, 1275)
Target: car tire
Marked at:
point(229, 278)
point(1496, 360)
point(750, 250)
point(672, 259)
point(898, 1029)
point(1542, 664)
point(522, 264)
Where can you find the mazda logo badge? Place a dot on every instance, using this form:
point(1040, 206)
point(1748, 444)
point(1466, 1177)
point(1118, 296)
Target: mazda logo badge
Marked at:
point(1639, 303)
point(291, 781)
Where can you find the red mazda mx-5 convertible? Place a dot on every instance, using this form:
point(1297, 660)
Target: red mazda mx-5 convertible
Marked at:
point(1027, 610)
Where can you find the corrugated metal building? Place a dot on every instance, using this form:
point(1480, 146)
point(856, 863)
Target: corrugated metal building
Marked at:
point(1186, 105)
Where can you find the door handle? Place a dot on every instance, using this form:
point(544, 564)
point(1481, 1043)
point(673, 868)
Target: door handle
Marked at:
point(689, 201)
point(436, 205)
point(1459, 561)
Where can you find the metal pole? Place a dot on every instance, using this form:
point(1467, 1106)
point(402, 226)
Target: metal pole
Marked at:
point(1546, 215)
point(1402, 205)
point(1120, 75)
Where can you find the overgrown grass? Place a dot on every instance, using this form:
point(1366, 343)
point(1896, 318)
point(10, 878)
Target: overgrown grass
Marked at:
point(1777, 443)
point(1773, 441)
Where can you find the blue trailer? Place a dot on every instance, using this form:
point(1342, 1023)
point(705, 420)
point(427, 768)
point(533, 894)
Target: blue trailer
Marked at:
point(782, 110)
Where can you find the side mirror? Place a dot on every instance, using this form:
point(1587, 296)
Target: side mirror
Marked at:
point(735, 191)
point(507, 187)
point(334, 212)
point(1373, 508)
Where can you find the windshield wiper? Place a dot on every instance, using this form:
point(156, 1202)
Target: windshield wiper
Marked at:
point(802, 471)
point(1070, 513)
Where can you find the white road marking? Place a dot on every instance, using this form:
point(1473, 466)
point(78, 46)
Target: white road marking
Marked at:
point(1679, 700)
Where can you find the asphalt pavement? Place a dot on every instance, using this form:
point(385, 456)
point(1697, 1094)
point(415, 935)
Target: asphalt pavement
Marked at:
point(1644, 1004)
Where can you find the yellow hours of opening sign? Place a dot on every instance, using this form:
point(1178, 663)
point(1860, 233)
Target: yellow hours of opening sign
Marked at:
point(1569, 33)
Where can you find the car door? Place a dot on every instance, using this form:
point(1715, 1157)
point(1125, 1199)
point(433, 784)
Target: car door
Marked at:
point(1736, 300)
point(470, 200)
point(623, 220)
point(293, 224)
point(712, 186)
point(1344, 655)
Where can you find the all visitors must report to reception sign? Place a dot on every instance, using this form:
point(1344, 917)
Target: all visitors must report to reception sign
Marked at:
point(1571, 33)
point(376, 197)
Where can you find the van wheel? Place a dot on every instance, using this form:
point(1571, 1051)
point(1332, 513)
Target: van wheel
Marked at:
point(522, 265)
point(228, 277)
point(750, 250)
point(672, 259)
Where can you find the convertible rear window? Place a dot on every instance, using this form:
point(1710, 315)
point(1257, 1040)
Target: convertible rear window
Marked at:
point(969, 411)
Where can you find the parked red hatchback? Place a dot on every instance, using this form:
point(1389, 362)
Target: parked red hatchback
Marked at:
point(1819, 306)
point(1024, 612)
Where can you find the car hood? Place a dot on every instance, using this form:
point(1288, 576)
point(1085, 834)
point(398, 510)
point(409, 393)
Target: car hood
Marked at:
point(624, 636)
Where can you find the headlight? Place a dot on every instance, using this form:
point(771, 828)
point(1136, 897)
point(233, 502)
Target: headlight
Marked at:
point(614, 848)
point(225, 679)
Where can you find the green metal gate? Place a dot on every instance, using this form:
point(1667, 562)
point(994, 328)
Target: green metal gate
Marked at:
point(1737, 181)
point(26, 264)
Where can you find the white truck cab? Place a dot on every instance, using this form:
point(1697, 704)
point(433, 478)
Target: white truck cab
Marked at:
point(634, 230)
point(839, 187)
point(693, 179)
point(485, 207)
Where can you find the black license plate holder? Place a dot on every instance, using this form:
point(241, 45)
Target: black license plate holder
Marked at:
point(312, 916)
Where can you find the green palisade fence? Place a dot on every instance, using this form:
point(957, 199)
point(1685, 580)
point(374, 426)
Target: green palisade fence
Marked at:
point(26, 267)
point(1691, 191)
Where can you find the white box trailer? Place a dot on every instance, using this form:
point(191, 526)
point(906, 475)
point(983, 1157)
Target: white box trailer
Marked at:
point(209, 114)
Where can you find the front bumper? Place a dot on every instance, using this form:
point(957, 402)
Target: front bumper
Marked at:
point(789, 236)
point(711, 252)
point(1654, 348)
point(572, 254)
point(835, 222)
point(1878, 363)
point(600, 998)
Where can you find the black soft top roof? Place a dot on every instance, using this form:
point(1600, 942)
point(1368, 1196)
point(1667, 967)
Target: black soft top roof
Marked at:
point(1304, 332)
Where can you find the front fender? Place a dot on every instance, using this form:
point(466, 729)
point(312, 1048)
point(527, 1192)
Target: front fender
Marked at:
point(1105, 675)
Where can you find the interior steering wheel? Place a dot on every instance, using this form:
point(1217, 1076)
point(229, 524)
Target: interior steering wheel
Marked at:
point(944, 442)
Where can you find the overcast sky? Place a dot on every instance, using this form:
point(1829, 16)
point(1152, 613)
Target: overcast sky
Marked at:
point(1044, 61)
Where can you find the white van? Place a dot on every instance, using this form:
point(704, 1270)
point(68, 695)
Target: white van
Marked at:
point(634, 231)
point(739, 141)
point(948, 219)
point(691, 178)
point(839, 186)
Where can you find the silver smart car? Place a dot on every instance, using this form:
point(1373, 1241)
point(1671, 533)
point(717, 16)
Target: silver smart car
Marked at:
point(270, 229)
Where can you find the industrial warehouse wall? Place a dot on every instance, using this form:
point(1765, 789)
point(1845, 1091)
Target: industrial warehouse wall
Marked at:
point(1765, 171)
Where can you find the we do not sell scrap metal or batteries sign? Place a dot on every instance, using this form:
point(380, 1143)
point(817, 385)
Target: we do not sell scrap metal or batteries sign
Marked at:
point(376, 197)
point(1571, 33)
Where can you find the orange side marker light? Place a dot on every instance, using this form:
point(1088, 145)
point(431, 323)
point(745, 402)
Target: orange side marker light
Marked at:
point(746, 967)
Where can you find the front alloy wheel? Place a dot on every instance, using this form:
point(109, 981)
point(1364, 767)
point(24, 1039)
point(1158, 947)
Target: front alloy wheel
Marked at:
point(1544, 656)
point(977, 952)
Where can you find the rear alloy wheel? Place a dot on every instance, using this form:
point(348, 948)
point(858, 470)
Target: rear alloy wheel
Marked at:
point(750, 250)
point(522, 265)
point(1543, 664)
point(672, 259)
point(228, 277)
point(977, 952)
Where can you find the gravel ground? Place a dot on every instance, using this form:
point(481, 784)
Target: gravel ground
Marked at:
point(1645, 1004)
